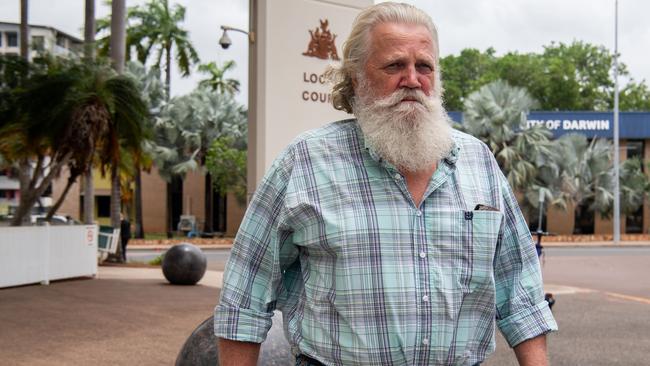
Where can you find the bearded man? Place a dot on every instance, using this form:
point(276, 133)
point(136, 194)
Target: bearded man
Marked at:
point(389, 239)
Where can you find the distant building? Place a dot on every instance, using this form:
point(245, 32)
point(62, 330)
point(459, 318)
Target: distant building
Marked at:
point(634, 141)
point(43, 38)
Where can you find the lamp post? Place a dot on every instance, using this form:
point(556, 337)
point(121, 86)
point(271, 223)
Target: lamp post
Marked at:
point(617, 199)
point(225, 42)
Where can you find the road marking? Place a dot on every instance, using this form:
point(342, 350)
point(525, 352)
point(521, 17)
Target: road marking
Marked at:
point(565, 290)
point(628, 297)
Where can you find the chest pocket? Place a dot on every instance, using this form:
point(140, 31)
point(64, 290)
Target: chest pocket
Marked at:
point(464, 244)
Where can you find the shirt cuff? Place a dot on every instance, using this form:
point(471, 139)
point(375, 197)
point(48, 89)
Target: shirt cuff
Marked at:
point(244, 325)
point(527, 324)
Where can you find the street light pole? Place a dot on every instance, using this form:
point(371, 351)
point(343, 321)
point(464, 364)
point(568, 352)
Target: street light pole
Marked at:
point(617, 200)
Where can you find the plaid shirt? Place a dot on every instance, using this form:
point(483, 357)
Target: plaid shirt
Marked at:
point(333, 239)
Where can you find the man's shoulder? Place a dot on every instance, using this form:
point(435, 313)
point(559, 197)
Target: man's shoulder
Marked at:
point(334, 130)
point(311, 145)
point(468, 145)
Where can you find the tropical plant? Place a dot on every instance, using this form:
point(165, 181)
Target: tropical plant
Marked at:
point(155, 27)
point(61, 117)
point(496, 115)
point(216, 78)
point(153, 94)
point(226, 164)
point(185, 129)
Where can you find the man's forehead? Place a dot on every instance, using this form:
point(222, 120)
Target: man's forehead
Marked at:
point(391, 38)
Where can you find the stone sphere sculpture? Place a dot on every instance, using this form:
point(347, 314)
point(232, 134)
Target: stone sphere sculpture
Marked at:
point(184, 264)
point(201, 348)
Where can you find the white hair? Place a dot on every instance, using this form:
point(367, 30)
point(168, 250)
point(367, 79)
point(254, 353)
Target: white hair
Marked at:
point(355, 49)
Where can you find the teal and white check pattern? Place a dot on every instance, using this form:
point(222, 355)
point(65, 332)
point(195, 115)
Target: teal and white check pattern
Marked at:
point(333, 239)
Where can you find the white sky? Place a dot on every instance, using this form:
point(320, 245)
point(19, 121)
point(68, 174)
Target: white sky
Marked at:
point(506, 25)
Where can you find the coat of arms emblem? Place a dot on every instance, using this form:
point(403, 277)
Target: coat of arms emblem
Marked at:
point(322, 43)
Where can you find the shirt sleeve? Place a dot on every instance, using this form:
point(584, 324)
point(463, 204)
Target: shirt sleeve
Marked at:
point(253, 275)
point(522, 311)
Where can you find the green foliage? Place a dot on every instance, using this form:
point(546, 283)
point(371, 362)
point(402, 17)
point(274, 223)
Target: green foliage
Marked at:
point(187, 125)
point(157, 261)
point(569, 171)
point(496, 115)
point(216, 78)
point(577, 76)
point(227, 165)
point(63, 112)
point(154, 29)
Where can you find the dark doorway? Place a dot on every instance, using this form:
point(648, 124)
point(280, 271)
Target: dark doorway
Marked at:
point(177, 201)
point(219, 205)
point(584, 220)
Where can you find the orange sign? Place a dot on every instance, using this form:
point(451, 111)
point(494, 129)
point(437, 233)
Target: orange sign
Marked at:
point(322, 43)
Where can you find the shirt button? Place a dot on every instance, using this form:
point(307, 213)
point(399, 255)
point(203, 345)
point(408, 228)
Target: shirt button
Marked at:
point(418, 213)
point(398, 177)
point(425, 341)
point(423, 255)
point(425, 298)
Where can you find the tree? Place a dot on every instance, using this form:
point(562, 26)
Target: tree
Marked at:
point(89, 55)
point(496, 115)
point(153, 94)
point(60, 116)
point(187, 126)
point(574, 76)
point(226, 163)
point(155, 26)
point(216, 79)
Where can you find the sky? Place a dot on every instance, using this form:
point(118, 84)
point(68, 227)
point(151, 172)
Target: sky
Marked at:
point(505, 25)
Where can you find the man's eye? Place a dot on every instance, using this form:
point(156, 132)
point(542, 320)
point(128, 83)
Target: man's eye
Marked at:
point(394, 66)
point(424, 68)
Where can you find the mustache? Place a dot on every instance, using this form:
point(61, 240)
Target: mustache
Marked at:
point(398, 96)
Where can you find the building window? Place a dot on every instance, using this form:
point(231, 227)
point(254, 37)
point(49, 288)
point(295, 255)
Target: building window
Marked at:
point(12, 39)
point(0, 39)
point(38, 43)
point(60, 41)
point(103, 206)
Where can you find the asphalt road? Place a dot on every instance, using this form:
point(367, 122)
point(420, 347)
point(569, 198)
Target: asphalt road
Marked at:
point(603, 305)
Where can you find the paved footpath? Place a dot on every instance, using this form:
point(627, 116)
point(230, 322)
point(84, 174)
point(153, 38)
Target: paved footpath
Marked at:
point(132, 316)
point(126, 316)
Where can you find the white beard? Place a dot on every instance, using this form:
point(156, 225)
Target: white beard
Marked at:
point(412, 136)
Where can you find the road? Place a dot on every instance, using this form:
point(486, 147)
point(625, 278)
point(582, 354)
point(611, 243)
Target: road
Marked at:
point(603, 304)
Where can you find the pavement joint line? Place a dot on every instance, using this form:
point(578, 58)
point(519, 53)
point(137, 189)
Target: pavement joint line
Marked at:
point(569, 290)
point(628, 297)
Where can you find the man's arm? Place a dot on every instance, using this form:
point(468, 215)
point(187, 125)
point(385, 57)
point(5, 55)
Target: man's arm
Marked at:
point(532, 352)
point(235, 353)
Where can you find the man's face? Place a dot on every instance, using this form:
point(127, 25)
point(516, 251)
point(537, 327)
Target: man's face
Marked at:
point(400, 56)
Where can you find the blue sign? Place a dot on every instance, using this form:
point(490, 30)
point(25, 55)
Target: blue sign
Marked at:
point(632, 125)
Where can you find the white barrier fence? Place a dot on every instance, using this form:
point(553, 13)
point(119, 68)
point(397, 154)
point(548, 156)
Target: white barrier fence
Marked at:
point(33, 254)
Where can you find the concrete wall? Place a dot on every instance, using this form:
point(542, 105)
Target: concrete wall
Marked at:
point(154, 202)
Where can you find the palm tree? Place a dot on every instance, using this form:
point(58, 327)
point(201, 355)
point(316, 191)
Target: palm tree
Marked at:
point(62, 116)
point(216, 80)
point(155, 27)
point(153, 93)
point(586, 177)
point(117, 50)
point(24, 29)
point(185, 129)
point(89, 55)
point(496, 115)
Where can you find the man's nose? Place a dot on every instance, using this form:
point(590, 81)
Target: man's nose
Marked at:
point(410, 78)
